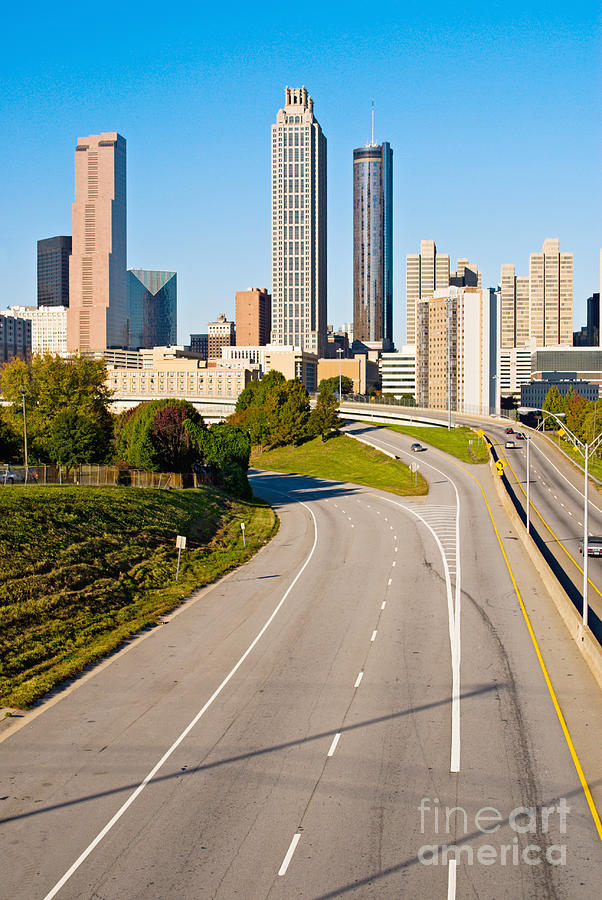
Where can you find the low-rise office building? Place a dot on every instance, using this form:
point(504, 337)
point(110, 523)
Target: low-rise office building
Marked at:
point(293, 362)
point(398, 372)
point(362, 371)
point(48, 327)
point(15, 338)
point(534, 393)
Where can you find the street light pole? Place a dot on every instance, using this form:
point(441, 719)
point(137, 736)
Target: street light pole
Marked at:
point(528, 488)
point(340, 352)
point(585, 540)
point(23, 392)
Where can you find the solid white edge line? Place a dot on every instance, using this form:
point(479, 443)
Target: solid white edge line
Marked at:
point(289, 854)
point(335, 741)
point(358, 680)
point(83, 856)
point(451, 879)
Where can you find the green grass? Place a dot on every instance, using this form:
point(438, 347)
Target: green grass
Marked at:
point(595, 464)
point(342, 458)
point(454, 442)
point(84, 568)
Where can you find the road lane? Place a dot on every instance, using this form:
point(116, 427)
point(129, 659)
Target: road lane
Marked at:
point(221, 816)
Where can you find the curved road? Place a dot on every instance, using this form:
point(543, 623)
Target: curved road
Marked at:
point(318, 724)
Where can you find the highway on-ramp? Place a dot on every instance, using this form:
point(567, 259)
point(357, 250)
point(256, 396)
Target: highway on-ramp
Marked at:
point(321, 723)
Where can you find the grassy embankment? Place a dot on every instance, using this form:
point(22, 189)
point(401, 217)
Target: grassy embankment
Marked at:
point(342, 458)
point(84, 568)
point(595, 464)
point(454, 442)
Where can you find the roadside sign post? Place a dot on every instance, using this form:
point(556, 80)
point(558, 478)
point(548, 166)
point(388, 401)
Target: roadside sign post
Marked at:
point(181, 545)
point(242, 528)
point(414, 470)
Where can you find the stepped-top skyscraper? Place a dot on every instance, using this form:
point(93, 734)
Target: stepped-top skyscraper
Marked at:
point(373, 244)
point(298, 225)
point(98, 297)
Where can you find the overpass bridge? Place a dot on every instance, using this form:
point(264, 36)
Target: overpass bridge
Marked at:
point(367, 411)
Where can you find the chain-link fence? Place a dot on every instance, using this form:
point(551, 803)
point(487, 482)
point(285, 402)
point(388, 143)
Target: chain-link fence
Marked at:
point(88, 474)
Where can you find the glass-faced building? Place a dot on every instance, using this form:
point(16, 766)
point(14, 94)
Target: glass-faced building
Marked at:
point(152, 309)
point(373, 243)
point(298, 225)
point(53, 271)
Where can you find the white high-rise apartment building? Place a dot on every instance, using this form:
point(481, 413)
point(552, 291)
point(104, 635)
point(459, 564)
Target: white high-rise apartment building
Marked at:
point(298, 225)
point(427, 272)
point(48, 327)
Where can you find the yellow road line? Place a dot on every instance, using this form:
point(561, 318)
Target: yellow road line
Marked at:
point(534, 508)
point(561, 719)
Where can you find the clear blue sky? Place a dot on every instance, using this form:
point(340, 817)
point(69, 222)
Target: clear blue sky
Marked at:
point(492, 110)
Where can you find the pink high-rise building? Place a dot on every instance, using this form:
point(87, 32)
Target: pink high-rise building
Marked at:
point(97, 316)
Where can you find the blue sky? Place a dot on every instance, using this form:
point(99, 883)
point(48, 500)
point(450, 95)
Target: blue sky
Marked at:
point(492, 110)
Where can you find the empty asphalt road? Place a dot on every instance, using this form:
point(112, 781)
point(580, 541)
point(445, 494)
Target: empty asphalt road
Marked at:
point(321, 723)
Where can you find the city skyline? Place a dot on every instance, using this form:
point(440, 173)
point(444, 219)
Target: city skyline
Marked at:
point(517, 139)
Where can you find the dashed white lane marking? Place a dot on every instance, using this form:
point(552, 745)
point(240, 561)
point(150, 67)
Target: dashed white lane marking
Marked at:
point(570, 513)
point(580, 523)
point(349, 517)
point(358, 680)
point(390, 582)
point(289, 854)
point(451, 880)
point(393, 562)
point(562, 504)
point(373, 638)
point(383, 604)
point(352, 525)
point(394, 537)
point(396, 549)
point(555, 497)
point(335, 741)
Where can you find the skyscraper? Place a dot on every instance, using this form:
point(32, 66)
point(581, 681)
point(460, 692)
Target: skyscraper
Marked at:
point(428, 271)
point(152, 309)
point(373, 243)
point(551, 295)
point(298, 225)
point(53, 271)
point(97, 317)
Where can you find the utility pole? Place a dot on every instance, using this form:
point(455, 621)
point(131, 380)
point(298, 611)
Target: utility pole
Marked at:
point(23, 393)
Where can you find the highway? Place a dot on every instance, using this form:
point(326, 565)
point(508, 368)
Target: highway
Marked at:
point(319, 724)
point(556, 497)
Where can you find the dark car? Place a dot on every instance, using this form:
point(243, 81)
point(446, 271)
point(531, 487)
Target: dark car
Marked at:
point(520, 436)
point(509, 430)
point(416, 448)
point(594, 545)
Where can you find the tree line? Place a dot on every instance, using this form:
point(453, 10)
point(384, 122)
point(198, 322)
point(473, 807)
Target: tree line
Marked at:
point(582, 417)
point(68, 422)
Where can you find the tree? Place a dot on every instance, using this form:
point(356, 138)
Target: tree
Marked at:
point(9, 441)
point(152, 437)
point(324, 418)
point(226, 451)
point(256, 392)
point(333, 384)
point(576, 409)
point(553, 403)
point(74, 436)
point(54, 386)
point(287, 413)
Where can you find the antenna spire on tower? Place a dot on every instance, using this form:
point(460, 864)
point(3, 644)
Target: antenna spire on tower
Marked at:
point(373, 123)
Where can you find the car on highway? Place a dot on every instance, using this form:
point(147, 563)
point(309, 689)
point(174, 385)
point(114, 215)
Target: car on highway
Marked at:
point(416, 448)
point(594, 545)
point(510, 445)
point(520, 436)
point(9, 477)
point(509, 430)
